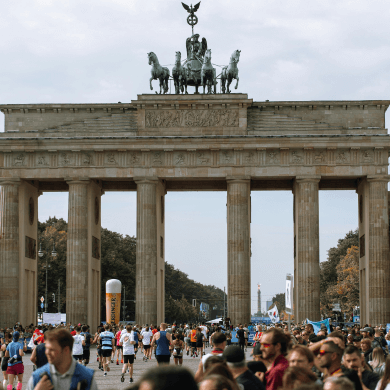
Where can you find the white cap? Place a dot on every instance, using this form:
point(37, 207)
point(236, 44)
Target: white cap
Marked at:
point(113, 286)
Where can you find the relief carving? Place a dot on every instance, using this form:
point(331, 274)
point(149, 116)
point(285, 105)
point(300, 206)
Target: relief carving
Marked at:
point(19, 160)
point(42, 161)
point(191, 118)
point(157, 158)
point(249, 157)
point(111, 158)
point(65, 159)
point(134, 159)
point(180, 159)
point(202, 158)
point(272, 158)
point(227, 156)
point(87, 159)
point(296, 158)
point(367, 157)
point(342, 157)
point(319, 158)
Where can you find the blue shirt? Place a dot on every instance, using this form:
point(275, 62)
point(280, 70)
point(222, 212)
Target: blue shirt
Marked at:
point(162, 344)
point(107, 337)
point(13, 349)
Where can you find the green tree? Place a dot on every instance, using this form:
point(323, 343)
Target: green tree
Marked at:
point(280, 301)
point(328, 268)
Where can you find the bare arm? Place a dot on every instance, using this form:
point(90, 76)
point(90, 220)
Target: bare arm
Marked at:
point(199, 372)
point(33, 357)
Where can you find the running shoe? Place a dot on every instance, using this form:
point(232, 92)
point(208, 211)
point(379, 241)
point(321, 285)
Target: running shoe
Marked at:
point(117, 362)
point(105, 374)
point(131, 380)
point(112, 361)
point(123, 378)
point(122, 361)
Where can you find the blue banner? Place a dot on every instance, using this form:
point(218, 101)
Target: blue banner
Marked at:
point(317, 325)
point(261, 320)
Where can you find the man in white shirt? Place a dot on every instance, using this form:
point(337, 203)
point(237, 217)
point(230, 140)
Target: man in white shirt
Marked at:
point(147, 336)
point(78, 344)
point(127, 341)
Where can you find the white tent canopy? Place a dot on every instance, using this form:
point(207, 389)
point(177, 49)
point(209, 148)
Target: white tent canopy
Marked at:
point(216, 321)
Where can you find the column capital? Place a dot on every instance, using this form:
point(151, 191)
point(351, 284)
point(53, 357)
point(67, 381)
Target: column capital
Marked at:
point(10, 181)
point(146, 180)
point(77, 180)
point(238, 179)
point(382, 178)
point(307, 179)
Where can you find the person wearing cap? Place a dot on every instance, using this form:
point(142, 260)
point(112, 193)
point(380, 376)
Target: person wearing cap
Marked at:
point(357, 342)
point(274, 346)
point(235, 360)
point(15, 350)
point(219, 344)
point(258, 365)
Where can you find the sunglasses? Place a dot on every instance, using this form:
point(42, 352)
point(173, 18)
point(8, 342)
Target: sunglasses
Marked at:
point(266, 345)
point(322, 352)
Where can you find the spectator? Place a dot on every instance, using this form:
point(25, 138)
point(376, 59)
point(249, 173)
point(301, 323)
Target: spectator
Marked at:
point(295, 376)
point(329, 359)
point(217, 382)
point(273, 347)
point(235, 360)
point(338, 383)
point(354, 360)
point(384, 383)
point(378, 361)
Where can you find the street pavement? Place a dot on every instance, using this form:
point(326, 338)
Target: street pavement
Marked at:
point(113, 378)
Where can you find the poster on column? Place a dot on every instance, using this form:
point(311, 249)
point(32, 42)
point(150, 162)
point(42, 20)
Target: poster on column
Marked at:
point(113, 301)
point(289, 294)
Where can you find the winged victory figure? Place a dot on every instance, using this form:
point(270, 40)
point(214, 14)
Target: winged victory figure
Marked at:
point(191, 10)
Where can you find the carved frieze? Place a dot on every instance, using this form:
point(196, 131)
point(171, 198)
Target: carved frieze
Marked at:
point(191, 118)
point(273, 157)
point(342, 156)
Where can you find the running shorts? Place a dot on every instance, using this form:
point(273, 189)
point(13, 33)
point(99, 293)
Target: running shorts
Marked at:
point(147, 346)
point(106, 352)
point(16, 369)
point(119, 346)
point(163, 358)
point(128, 359)
point(78, 357)
point(86, 354)
point(4, 363)
point(193, 344)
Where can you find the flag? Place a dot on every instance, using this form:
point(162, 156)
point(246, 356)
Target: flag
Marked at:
point(274, 314)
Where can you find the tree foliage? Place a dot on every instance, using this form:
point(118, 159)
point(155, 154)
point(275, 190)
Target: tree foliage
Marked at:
point(118, 259)
point(330, 270)
point(280, 301)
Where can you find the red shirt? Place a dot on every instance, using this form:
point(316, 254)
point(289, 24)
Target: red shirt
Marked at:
point(274, 376)
point(73, 332)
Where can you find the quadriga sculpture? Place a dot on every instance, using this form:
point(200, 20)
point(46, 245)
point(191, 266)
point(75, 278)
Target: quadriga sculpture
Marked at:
point(179, 74)
point(230, 72)
point(158, 73)
point(208, 74)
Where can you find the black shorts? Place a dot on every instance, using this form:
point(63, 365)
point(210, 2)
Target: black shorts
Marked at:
point(4, 363)
point(128, 359)
point(78, 357)
point(106, 352)
point(147, 346)
point(119, 346)
point(193, 344)
point(100, 352)
point(136, 345)
point(86, 354)
point(163, 358)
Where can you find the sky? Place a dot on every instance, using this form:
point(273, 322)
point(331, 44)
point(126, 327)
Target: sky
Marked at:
point(96, 52)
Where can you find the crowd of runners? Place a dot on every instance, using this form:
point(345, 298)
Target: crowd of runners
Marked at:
point(277, 357)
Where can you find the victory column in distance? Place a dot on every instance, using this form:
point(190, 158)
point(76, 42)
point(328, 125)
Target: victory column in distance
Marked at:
point(197, 69)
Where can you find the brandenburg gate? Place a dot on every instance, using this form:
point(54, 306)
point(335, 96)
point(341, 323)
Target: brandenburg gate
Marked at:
point(162, 143)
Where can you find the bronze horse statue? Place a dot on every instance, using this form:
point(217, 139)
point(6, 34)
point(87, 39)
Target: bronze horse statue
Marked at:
point(179, 74)
point(208, 74)
point(158, 73)
point(230, 72)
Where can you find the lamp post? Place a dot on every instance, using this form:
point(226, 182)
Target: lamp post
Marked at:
point(41, 254)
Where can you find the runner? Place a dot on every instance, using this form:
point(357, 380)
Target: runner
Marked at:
point(88, 341)
point(15, 350)
point(99, 350)
point(119, 349)
point(199, 342)
point(137, 338)
point(162, 339)
point(193, 341)
point(147, 337)
point(178, 346)
point(4, 361)
point(107, 340)
point(78, 344)
point(187, 338)
point(127, 342)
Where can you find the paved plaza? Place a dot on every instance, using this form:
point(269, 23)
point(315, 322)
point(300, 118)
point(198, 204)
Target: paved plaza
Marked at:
point(112, 380)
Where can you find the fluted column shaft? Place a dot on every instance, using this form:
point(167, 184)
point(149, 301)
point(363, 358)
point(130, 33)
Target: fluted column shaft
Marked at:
point(146, 255)
point(239, 264)
point(9, 252)
point(379, 266)
point(77, 253)
point(307, 249)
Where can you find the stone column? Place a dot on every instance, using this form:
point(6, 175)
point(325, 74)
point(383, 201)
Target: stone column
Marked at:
point(307, 249)
point(378, 247)
point(146, 256)
point(9, 251)
point(77, 253)
point(239, 262)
